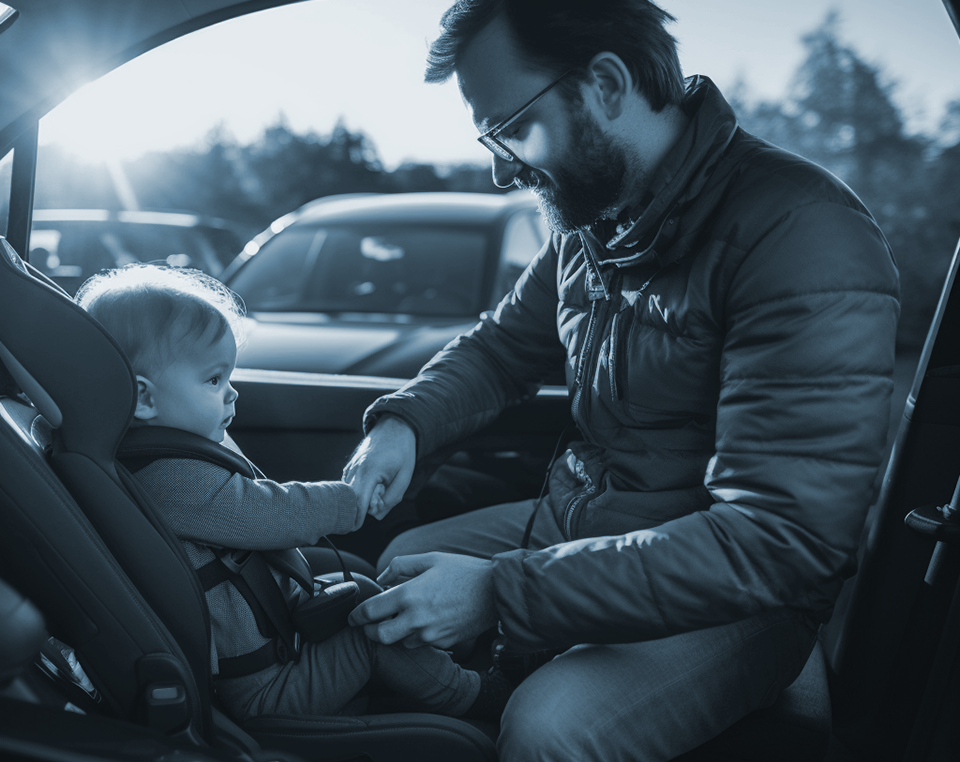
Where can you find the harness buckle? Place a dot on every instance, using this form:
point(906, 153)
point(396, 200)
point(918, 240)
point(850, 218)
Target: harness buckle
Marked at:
point(236, 560)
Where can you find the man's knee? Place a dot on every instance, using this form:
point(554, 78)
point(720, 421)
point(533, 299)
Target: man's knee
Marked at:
point(408, 543)
point(538, 725)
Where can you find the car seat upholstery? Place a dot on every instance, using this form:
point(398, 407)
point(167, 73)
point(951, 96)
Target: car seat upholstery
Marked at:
point(83, 543)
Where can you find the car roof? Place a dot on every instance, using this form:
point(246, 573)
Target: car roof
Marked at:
point(55, 46)
point(456, 208)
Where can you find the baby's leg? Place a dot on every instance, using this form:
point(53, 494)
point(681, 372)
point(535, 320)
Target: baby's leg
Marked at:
point(330, 673)
point(427, 675)
point(322, 682)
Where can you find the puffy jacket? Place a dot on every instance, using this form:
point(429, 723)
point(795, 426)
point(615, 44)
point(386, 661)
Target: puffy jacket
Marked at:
point(729, 357)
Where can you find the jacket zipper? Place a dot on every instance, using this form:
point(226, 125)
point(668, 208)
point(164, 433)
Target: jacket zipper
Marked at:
point(583, 361)
point(577, 500)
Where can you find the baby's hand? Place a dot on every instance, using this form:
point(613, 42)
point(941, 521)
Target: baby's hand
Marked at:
point(376, 501)
point(376, 504)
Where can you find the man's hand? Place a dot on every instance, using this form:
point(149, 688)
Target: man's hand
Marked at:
point(442, 599)
point(382, 466)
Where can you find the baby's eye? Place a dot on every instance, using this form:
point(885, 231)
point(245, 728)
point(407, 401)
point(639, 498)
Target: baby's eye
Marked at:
point(215, 381)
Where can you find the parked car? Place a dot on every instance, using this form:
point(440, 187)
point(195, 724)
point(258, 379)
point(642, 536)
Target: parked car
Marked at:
point(103, 646)
point(376, 284)
point(70, 245)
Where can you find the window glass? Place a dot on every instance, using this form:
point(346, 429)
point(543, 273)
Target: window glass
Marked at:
point(273, 279)
point(522, 240)
point(404, 270)
point(71, 250)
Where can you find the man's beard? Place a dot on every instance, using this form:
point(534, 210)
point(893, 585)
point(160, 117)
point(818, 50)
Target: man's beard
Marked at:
point(588, 187)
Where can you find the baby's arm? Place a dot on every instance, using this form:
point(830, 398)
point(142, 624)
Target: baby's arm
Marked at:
point(233, 511)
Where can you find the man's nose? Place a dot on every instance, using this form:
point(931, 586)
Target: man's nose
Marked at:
point(504, 172)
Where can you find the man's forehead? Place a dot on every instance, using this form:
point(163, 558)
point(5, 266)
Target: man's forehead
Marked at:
point(493, 78)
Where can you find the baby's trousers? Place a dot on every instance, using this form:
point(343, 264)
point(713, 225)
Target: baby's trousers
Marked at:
point(330, 673)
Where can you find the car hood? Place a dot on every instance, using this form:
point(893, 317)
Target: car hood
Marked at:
point(322, 344)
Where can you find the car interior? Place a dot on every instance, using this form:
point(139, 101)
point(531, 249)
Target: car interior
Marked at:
point(104, 633)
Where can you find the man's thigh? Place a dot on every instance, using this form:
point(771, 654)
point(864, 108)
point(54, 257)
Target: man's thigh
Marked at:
point(482, 533)
point(649, 702)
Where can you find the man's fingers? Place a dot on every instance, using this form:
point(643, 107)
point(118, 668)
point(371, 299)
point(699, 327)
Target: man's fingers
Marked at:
point(376, 609)
point(377, 507)
point(383, 632)
point(364, 486)
point(403, 568)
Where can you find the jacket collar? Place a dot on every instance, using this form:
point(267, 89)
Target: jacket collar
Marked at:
point(677, 181)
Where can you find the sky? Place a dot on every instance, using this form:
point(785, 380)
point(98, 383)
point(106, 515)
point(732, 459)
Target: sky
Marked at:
point(362, 62)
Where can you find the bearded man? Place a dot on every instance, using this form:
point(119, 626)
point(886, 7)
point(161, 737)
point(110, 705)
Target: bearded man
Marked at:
point(725, 312)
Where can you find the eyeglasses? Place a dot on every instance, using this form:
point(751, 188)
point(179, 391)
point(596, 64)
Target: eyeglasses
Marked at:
point(489, 138)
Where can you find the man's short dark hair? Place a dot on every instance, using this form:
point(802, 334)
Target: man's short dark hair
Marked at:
point(557, 35)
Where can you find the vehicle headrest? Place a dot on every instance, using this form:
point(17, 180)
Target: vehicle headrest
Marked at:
point(64, 361)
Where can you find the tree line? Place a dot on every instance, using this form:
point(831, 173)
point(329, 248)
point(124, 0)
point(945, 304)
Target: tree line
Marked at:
point(838, 111)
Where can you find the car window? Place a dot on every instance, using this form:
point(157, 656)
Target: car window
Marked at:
point(273, 279)
point(71, 250)
point(523, 238)
point(405, 269)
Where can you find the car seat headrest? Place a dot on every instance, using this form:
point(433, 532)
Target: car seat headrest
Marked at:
point(64, 361)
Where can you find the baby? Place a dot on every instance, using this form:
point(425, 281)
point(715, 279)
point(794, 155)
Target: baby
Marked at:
point(179, 328)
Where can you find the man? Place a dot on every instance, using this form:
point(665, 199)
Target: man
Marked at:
point(726, 312)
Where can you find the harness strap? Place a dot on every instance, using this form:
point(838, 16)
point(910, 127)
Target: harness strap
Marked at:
point(248, 571)
point(247, 664)
point(251, 576)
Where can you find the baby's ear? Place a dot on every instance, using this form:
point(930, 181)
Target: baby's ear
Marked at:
point(146, 404)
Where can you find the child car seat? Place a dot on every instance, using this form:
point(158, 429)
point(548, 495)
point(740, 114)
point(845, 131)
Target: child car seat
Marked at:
point(133, 606)
point(333, 596)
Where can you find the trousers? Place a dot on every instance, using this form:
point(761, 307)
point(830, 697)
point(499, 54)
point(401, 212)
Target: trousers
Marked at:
point(643, 702)
point(330, 673)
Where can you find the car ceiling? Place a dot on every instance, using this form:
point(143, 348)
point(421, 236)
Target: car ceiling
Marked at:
point(953, 8)
point(56, 46)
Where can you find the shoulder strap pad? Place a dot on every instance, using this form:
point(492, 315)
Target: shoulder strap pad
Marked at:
point(142, 445)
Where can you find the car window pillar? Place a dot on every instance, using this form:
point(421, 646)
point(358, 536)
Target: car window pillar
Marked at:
point(22, 182)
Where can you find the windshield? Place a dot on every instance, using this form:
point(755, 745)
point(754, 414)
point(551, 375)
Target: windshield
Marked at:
point(405, 269)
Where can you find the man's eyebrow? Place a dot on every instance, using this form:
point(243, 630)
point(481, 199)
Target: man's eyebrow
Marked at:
point(488, 124)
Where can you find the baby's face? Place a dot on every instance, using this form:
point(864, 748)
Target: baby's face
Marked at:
point(193, 393)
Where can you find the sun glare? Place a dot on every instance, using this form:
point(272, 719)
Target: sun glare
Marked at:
point(112, 118)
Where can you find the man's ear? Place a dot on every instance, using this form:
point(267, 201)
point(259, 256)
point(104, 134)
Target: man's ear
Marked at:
point(612, 81)
point(146, 400)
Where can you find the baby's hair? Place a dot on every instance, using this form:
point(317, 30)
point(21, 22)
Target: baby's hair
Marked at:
point(150, 309)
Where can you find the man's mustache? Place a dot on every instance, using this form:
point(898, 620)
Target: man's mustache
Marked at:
point(530, 179)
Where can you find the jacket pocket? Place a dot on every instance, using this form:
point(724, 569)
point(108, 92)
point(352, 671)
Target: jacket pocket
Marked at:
point(617, 352)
